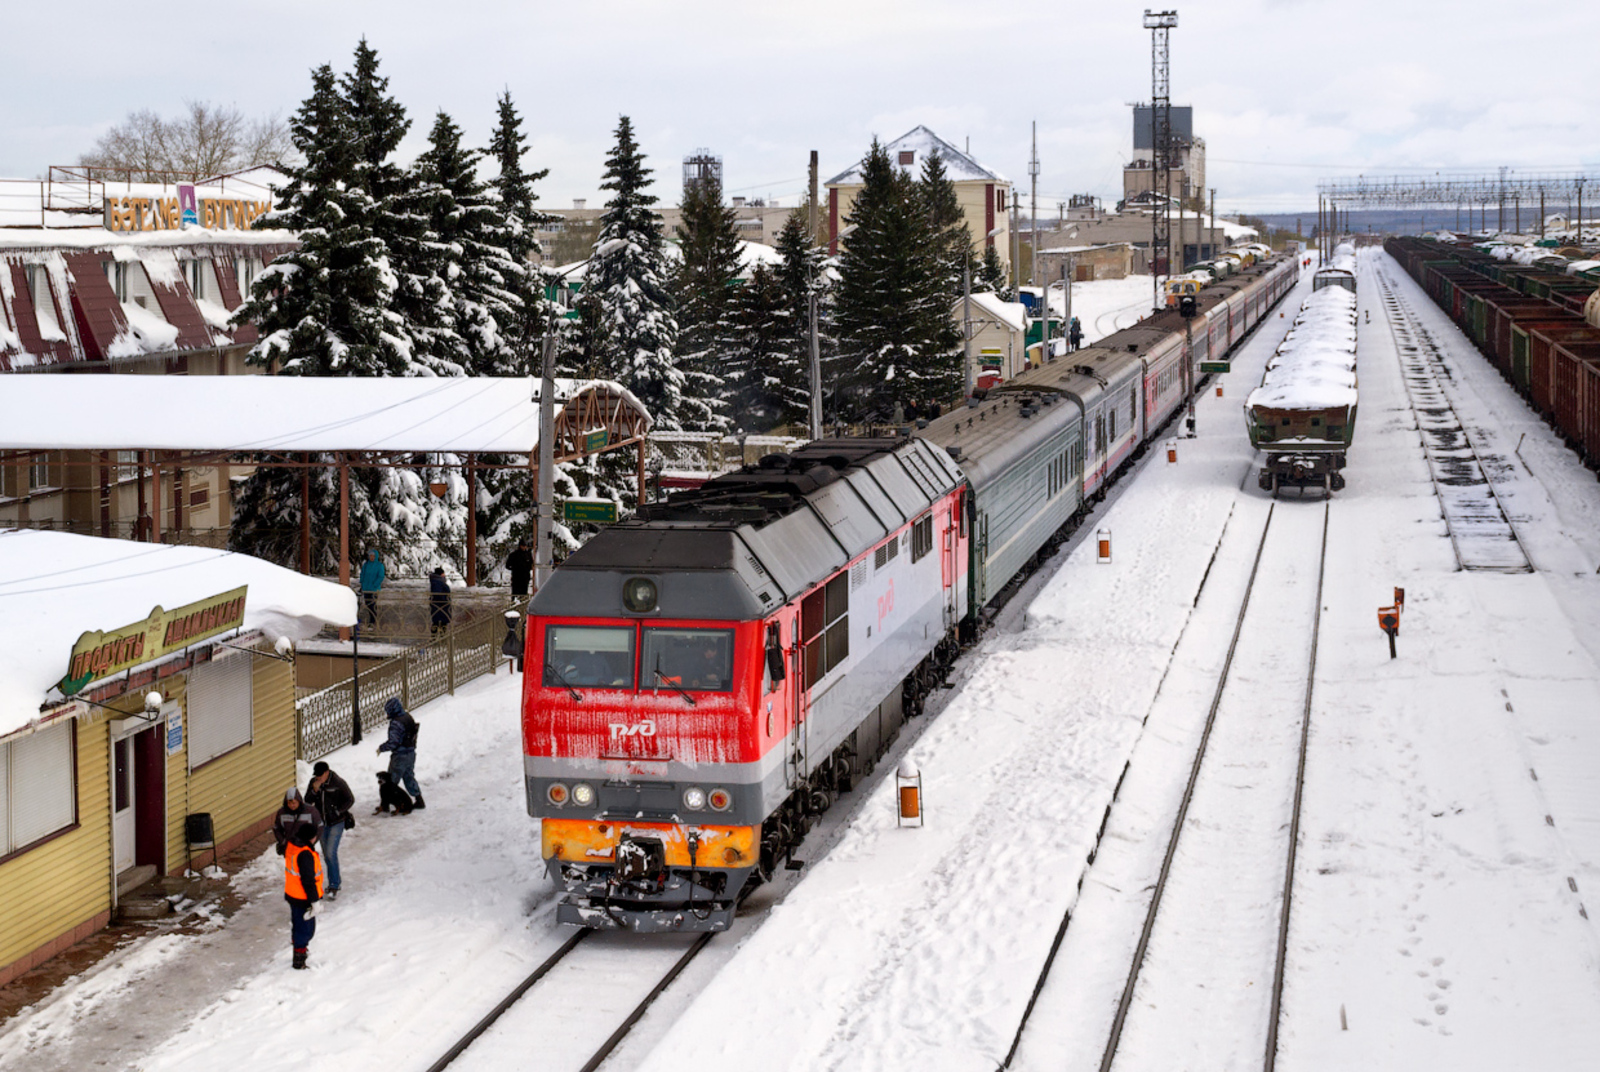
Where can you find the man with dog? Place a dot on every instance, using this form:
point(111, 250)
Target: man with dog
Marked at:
point(402, 748)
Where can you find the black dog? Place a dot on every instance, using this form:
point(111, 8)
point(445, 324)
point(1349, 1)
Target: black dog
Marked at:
point(391, 795)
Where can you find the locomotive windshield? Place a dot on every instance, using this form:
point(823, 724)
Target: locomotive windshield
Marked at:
point(588, 655)
point(700, 660)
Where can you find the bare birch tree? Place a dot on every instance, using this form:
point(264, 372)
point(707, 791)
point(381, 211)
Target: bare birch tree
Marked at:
point(207, 140)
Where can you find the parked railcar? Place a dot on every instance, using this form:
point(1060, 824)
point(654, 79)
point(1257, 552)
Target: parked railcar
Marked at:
point(704, 677)
point(1304, 413)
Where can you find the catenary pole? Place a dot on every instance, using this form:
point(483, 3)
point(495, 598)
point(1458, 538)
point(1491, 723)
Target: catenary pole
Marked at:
point(811, 316)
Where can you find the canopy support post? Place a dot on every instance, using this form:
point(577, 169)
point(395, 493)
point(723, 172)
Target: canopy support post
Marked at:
point(344, 537)
point(472, 523)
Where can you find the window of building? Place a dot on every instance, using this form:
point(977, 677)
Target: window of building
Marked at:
point(597, 657)
point(117, 276)
point(825, 628)
point(699, 660)
point(38, 794)
point(127, 464)
point(40, 471)
point(221, 709)
point(999, 200)
point(44, 306)
point(921, 538)
point(194, 272)
point(907, 157)
point(199, 497)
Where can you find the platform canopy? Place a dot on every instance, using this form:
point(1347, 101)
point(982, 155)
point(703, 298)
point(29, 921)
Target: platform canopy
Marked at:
point(463, 415)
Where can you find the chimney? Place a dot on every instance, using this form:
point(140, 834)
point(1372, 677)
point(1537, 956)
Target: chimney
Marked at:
point(738, 202)
point(577, 203)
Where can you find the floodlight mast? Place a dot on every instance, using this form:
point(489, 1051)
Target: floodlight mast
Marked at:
point(1159, 23)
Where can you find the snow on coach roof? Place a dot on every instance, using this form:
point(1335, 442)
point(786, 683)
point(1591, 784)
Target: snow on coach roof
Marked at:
point(57, 586)
point(477, 414)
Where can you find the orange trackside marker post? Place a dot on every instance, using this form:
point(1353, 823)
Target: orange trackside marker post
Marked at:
point(909, 781)
point(1399, 598)
point(1172, 451)
point(1102, 540)
point(1219, 390)
point(1389, 622)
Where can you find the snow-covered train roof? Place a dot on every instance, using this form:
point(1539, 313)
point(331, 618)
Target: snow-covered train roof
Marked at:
point(463, 414)
point(1315, 365)
point(748, 542)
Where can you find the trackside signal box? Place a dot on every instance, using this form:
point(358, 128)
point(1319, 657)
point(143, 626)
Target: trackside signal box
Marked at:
point(1389, 622)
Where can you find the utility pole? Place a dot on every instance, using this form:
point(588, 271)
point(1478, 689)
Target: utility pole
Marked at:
point(1160, 24)
point(1033, 215)
point(811, 314)
point(1016, 248)
point(1214, 250)
point(966, 327)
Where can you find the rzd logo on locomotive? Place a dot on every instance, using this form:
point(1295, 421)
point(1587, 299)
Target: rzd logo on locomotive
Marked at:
point(646, 728)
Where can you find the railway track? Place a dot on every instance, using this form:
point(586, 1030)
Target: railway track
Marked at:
point(592, 973)
point(1481, 533)
point(1233, 840)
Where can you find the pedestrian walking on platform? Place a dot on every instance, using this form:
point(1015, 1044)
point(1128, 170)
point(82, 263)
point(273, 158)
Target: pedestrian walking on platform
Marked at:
point(302, 888)
point(438, 601)
point(371, 582)
point(330, 795)
point(520, 563)
point(294, 817)
point(402, 748)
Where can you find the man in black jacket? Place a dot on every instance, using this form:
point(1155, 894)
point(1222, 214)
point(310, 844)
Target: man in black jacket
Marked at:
point(330, 795)
point(295, 817)
point(520, 563)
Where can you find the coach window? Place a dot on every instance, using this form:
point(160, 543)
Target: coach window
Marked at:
point(825, 628)
point(700, 660)
point(600, 657)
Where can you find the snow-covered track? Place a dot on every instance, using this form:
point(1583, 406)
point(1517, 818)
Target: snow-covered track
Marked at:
point(1481, 533)
point(613, 980)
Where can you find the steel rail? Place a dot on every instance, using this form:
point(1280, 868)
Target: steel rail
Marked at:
point(1271, 1061)
point(1115, 1037)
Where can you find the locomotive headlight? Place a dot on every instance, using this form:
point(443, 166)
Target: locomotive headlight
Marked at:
point(694, 798)
point(720, 799)
point(639, 595)
point(583, 795)
point(557, 794)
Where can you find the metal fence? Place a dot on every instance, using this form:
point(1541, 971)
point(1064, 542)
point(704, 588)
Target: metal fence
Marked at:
point(323, 718)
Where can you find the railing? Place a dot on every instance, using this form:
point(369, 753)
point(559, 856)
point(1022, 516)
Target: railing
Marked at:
point(706, 454)
point(323, 718)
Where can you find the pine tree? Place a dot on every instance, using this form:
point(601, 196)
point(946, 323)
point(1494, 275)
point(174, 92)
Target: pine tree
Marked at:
point(772, 385)
point(321, 311)
point(952, 238)
point(898, 341)
point(628, 276)
point(800, 275)
point(992, 276)
point(706, 287)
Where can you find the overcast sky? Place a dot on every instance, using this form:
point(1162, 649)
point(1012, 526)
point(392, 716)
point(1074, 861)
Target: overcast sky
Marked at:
point(1285, 92)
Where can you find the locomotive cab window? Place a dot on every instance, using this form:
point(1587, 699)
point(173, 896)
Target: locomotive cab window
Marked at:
point(599, 657)
point(700, 660)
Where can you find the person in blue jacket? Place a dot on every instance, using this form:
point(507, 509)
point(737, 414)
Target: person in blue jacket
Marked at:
point(371, 581)
point(402, 748)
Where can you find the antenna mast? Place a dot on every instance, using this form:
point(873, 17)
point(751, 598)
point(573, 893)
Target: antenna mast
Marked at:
point(1161, 148)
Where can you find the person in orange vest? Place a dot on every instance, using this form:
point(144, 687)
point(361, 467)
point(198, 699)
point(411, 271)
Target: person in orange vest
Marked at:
point(302, 888)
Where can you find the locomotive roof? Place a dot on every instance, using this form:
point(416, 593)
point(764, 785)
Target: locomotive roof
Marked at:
point(747, 542)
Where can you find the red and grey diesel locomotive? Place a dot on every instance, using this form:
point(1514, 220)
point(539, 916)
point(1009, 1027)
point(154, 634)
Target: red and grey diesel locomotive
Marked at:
point(703, 678)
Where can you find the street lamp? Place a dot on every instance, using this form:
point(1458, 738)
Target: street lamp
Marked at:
point(543, 556)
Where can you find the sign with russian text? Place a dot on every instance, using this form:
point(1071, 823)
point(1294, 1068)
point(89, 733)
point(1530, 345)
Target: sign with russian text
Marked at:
point(175, 730)
point(590, 511)
point(595, 440)
point(188, 206)
point(98, 655)
point(169, 214)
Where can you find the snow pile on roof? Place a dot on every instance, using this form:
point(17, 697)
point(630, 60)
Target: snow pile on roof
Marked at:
point(1315, 367)
point(464, 414)
point(922, 143)
point(56, 586)
point(1013, 315)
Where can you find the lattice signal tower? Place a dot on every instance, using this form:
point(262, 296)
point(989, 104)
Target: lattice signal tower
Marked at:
point(1160, 23)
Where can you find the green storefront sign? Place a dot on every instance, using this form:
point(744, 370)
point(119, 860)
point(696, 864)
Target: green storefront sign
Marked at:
point(595, 441)
point(590, 511)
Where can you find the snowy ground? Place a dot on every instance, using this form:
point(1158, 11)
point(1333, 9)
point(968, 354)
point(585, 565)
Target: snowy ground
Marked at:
point(1451, 831)
point(1106, 305)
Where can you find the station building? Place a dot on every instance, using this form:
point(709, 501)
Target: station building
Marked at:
point(984, 194)
point(147, 721)
point(107, 276)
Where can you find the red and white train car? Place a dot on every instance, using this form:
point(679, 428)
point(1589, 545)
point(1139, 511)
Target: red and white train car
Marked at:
point(703, 677)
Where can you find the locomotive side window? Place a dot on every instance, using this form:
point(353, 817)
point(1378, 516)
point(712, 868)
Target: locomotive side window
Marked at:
point(921, 538)
point(825, 628)
point(697, 659)
point(587, 655)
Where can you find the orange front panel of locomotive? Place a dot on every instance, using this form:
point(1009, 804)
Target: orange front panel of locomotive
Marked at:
point(583, 841)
